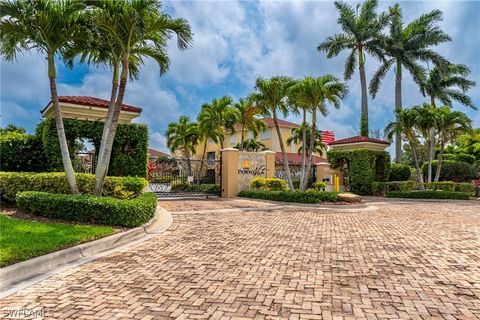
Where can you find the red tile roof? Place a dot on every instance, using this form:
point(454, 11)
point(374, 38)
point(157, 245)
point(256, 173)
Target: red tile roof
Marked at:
point(295, 158)
point(282, 123)
point(92, 102)
point(156, 153)
point(358, 139)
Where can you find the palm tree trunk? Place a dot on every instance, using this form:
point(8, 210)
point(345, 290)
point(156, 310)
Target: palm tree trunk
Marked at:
point(440, 159)
point(363, 83)
point(189, 163)
point(429, 156)
point(431, 151)
point(222, 143)
point(310, 147)
point(203, 156)
point(284, 154)
point(417, 166)
point(102, 170)
point(108, 123)
point(62, 139)
point(304, 147)
point(242, 138)
point(398, 106)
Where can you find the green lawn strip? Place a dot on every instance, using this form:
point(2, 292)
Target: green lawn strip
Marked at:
point(22, 239)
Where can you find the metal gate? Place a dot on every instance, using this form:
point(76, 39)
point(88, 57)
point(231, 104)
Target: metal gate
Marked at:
point(182, 177)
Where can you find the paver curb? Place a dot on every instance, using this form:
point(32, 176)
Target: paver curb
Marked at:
point(18, 272)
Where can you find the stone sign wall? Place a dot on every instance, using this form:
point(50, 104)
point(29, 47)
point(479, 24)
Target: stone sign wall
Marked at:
point(250, 165)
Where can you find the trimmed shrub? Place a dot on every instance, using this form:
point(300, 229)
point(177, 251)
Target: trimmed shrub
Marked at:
point(402, 185)
point(12, 183)
point(310, 196)
point(258, 183)
point(21, 152)
point(466, 187)
point(86, 208)
point(464, 157)
point(429, 195)
point(205, 188)
point(442, 186)
point(399, 172)
point(456, 171)
point(275, 184)
point(319, 186)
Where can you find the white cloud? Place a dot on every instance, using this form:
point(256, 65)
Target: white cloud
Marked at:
point(158, 141)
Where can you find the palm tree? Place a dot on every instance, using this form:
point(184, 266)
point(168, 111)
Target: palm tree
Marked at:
point(361, 34)
point(250, 145)
point(405, 47)
point(450, 124)
point(220, 116)
point(271, 98)
point(426, 123)
point(405, 123)
point(314, 94)
point(297, 139)
point(248, 120)
point(134, 30)
point(448, 84)
point(205, 133)
point(182, 136)
point(47, 26)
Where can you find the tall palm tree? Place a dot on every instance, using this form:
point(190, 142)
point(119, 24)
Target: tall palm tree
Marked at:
point(405, 47)
point(182, 136)
point(426, 123)
point(46, 26)
point(248, 119)
point(361, 28)
point(314, 94)
point(448, 85)
point(135, 30)
point(220, 116)
point(450, 124)
point(405, 123)
point(271, 98)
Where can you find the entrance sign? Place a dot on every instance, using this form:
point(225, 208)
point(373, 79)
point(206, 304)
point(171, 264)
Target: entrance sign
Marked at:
point(250, 165)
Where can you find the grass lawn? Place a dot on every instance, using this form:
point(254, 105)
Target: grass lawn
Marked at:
point(23, 239)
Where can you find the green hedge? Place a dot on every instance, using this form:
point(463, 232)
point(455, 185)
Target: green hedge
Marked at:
point(384, 187)
point(429, 195)
point(12, 183)
point(456, 171)
point(21, 152)
point(206, 188)
point(86, 208)
point(272, 184)
point(399, 172)
point(310, 196)
point(129, 153)
point(364, 167)
point(464, 157)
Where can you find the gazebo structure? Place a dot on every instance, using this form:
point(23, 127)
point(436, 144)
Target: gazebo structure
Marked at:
point(89, 108)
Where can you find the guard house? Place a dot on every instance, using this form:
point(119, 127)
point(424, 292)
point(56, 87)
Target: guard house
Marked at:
point(89, 108)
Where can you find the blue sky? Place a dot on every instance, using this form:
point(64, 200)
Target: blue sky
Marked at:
point(234, 43)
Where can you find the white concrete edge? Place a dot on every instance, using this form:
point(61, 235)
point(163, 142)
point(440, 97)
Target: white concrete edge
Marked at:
point(26, 273)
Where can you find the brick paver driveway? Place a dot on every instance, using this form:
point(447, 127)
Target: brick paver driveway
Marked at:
point(418, 261)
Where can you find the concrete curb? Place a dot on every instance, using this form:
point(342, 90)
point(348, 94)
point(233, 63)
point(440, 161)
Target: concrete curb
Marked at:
point(13, 275)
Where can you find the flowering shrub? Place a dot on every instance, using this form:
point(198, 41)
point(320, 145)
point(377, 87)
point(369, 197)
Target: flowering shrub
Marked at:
point(476, 182)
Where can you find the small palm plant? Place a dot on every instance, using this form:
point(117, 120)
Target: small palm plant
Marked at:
point(182, 136)
point(48, 27)
point(449, 124)
point(297, 139)
point(250, 145)
point(361, 34)
point(405, 123)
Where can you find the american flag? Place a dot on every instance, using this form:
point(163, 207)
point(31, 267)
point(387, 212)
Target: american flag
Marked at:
point(327, 137)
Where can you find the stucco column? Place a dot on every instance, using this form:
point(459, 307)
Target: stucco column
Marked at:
point(229, 172)
point(269, 164)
